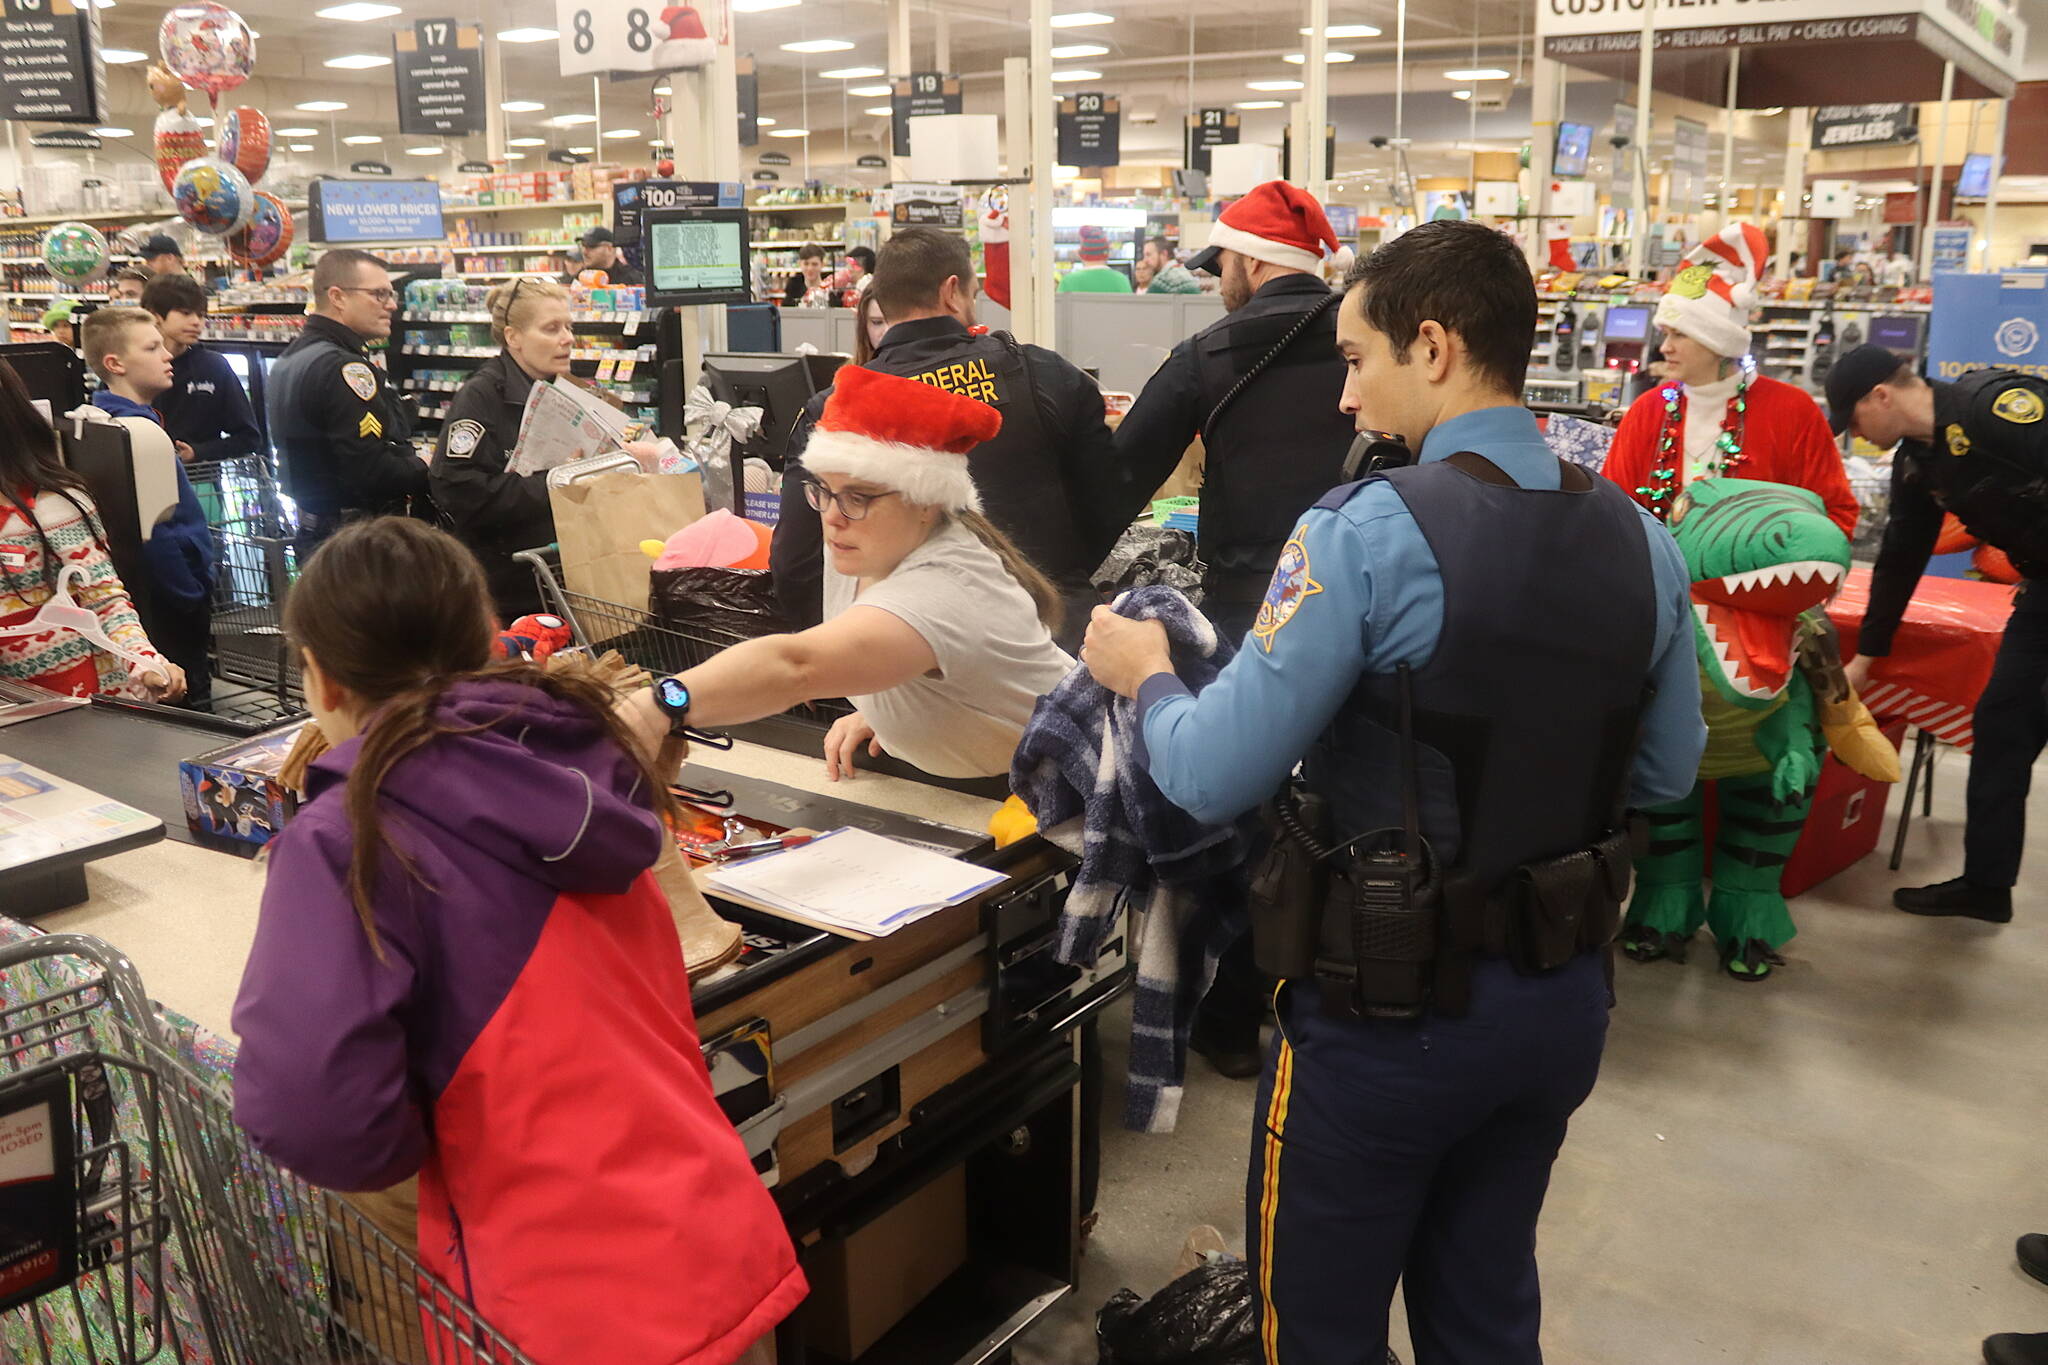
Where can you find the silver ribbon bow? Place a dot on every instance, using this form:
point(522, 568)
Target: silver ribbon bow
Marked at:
point(722, 424)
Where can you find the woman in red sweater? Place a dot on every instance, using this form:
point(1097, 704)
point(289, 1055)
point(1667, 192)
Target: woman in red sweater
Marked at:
point(1713, 415)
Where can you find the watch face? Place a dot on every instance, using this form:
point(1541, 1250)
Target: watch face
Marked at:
point(673, 694)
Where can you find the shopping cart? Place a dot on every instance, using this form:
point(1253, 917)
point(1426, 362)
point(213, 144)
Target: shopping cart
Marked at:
point(254, 565)
point(190, 1245)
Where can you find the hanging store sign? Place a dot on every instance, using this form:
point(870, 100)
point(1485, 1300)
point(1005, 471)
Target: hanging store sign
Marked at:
point(774, 159)
point(1952, 246)
point(562, 158)
point(1208, 129)
point(871, 162)
point(914, 96)
point(374, 210)
point(74, 138)
point(766, 177)
point(1687, 188)
point(49, 62)
point(927, 205)
point(1864, 125)
point(749, 86)
point(1091, 127)
point(476, 168)
point(439, 66)
point(368, 168)
point(595, 39)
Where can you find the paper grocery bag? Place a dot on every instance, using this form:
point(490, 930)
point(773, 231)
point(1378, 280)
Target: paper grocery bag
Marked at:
point(600, 522)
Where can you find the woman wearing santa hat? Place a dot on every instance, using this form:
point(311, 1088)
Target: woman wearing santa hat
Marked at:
point(1713, 414)
point(936, 627)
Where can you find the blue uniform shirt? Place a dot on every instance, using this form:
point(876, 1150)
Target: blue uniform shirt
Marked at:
point(1376, 601)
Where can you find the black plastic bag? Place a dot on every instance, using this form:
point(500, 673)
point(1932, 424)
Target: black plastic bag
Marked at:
point(1206, 1317)
point(718, 606)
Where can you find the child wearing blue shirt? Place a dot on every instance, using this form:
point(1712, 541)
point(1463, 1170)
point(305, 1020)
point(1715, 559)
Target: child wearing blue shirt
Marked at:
point(206, 406)
point(127, 352)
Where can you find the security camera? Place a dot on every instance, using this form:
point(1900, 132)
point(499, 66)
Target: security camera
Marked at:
point(1379, 142)
point(1618, 141)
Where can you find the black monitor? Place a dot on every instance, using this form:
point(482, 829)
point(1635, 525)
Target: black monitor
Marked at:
point(1626, 322)
point(779, 385)
point(1897, 332)
point(1574, 144)
point(753, 327)
point(52, 372)
point(1974, 180)
point(823, 367)
point(696, 256)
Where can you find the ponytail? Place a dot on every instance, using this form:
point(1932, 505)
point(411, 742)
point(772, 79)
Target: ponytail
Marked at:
point(1052, 609)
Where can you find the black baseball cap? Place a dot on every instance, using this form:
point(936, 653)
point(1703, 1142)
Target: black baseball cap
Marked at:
point(160, 245)
point(1205, 260)
point(1855, 375)
point(600, 236)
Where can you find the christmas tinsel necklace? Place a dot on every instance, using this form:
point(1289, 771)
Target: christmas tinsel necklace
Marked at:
point(1727, 455)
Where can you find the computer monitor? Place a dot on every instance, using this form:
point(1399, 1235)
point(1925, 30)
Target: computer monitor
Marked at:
point(779, 385)
point(1974, 180)
point(696, 256)
point(1574, 145)
point(753, 327)
point(1626, 322)
point(1191, 184)
point(53, 373)
point(1898, 332)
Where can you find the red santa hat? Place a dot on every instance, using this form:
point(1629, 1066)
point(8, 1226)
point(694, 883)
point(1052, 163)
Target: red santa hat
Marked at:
point(1711, 298)
point(902, 434)
point(1279, 223)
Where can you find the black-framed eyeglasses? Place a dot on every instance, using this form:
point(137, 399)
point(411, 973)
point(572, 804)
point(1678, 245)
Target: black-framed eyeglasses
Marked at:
point(384, 295)
point(853, 506)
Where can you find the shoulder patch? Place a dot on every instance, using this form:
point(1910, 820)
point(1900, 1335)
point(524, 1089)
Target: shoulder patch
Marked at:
point(463, 438)
point(1291, 586)
point(361, 379)
point(2019, 405)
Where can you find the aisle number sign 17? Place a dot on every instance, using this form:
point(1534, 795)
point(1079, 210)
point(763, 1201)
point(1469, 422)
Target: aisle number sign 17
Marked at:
point(596, 36)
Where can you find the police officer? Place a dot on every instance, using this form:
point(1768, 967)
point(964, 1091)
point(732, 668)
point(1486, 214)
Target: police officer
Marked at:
point(1412, 1106)
point(1977, 448)
point(601, 252)
point(1047, 480)
point(337, 424)
point(1255, 386)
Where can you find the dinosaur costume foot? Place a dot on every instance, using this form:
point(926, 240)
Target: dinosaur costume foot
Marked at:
point(1644, 944)
point(1749, 959)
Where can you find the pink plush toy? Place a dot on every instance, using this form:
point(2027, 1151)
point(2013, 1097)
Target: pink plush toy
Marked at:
point(718, 540)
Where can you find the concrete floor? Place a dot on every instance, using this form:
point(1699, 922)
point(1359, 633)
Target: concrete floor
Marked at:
point(1827, 1168)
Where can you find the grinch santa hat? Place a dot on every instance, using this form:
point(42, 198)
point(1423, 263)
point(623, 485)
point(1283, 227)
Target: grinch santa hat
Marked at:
point(1278, 223)
point(1710, 299)
point(902, 434)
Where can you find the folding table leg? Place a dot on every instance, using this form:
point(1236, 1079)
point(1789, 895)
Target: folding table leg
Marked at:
point(1922, 770)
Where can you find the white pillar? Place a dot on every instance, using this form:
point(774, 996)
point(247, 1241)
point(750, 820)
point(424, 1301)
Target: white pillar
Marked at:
point(1315, 101)
point(703, 130)
point(1026, 271)
point(1639, 240)
point(1991, 193)
point(1545, 89)
point(1792, 217)
point(1948, 91)
point(942, 41)
point(1043, 150)
point(900, 64)
point(494, 95)
point(1726, 198)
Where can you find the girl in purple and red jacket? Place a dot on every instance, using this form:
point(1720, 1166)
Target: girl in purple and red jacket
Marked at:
point(465, 970)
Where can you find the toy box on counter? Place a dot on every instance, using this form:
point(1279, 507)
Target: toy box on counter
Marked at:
point(235, 795)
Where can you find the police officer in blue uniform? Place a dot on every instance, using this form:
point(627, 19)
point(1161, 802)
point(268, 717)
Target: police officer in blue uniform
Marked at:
point(1534, 623)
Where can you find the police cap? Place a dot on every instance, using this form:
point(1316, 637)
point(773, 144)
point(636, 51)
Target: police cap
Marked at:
point(1855, 375)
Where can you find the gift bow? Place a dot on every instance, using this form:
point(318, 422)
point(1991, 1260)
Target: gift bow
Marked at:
point(723, 423)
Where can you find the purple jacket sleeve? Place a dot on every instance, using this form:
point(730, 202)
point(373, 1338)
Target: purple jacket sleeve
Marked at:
point(321, 1080)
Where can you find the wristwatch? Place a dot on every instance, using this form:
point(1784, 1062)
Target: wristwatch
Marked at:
point(672, 695)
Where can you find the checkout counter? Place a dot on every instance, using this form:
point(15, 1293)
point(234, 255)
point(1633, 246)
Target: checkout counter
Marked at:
point(913, 1101)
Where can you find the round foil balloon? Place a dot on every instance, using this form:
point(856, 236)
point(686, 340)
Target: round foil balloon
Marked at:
point(207, 46)
point(76, 253)
point(213, 196)
point(179, 138)
point(245, 142)
point(268, 236)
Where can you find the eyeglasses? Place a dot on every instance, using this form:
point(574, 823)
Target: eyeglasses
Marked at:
point(385, 295)
point(853, 506)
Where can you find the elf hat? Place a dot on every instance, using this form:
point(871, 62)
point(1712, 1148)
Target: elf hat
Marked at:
point(1278, 223)
point(1094, 245)
point(902, 434)
point(1710, 299)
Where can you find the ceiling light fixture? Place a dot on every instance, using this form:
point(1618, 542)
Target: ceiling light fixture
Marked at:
point(321, 106)
point(362, 139)
point(296, 132)
point(526, 142)
point(622, 132)
point(880, 110)
point(1272, 85)
point(358, 12)
point(357, 61)
point(664, 89)
point(819, 45)
point(522, 106)
point(581, 151)
point(1083, 19)
point(515, 156)
point(1477, 73)
point(789, 132)
point(1771, 112)
point(301, 146)
point(760, 6)
point(572, 120)
point(528, 35)
point(121, 56)
point(1260, 104)
point(852, 73)
point(764, 122)
point(869, 92)
point(1347, 31)
point(1461, 94)
point(1301, 58)
point(426, 151)
point(1076, 74)
point(114, 132)
point(1072, 51)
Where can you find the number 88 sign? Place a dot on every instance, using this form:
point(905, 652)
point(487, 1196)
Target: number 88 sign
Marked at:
point(617, 35)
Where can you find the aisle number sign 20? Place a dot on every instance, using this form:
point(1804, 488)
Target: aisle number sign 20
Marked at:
point(595, 36)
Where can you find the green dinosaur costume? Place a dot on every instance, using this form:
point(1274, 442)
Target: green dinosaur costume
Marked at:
point(1760, 555)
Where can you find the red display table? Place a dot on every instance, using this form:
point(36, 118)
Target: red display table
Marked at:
point(1941, 654)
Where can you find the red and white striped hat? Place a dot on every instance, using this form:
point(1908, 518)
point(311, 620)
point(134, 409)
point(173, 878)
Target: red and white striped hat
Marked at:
point(901, 434)
point(1278, 223)
point(1711, 298)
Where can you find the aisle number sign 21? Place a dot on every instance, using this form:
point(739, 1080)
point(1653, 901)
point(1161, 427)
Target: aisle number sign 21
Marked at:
point(596, 36)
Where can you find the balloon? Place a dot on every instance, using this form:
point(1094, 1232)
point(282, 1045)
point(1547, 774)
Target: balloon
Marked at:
point(167, 90)
point(207, 46)
point(76, 253)
point(245, 142)
point(268, 236)
point(213, 196)
point(664, 168)
point(179, 138)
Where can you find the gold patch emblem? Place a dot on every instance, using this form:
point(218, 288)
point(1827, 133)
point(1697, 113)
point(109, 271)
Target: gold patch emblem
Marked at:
point(1291, 586)
point(1958, 442)
point(2021, 407)
point(369, 426)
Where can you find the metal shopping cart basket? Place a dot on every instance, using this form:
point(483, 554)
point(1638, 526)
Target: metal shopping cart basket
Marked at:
point(179, 1242)
point(255, 563)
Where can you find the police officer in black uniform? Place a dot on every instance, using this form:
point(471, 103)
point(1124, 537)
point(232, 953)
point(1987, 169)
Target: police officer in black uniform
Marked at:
point(1048, 480)
point(1510, 640)
point(601, 252)
point(1255, 386)
point(1978, 448)
point(338, 425)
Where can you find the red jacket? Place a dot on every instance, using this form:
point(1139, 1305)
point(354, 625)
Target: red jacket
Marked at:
point(1785, 440)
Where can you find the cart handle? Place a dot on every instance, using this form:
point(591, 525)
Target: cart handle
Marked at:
point(115, 967)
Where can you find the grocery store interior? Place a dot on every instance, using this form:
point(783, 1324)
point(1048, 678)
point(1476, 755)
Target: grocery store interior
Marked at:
point(935, 1018)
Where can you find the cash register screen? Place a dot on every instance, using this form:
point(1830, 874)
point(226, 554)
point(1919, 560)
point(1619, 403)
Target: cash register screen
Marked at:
point(695, 256)
point(1627, 324)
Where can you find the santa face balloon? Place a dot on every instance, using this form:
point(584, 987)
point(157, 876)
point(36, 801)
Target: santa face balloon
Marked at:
point(179, 138)
point(207, 46)
point(213, 196)
point(245, 142)
point(268, 236)
point(75, 253)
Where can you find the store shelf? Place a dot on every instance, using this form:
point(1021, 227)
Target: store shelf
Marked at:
point(600, 315)
point(792, 246)
point(639, 355)
point(463, 210)
point(839, 207)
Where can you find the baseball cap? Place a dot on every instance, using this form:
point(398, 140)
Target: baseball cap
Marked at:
point(1855, 375)
point(158, 245)
point(599, 236)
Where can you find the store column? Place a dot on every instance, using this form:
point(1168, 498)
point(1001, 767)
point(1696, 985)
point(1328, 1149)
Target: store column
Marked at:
point(1792, 216)
point(1312, 169)
point(1639, 239)
point(1545, 89)
point(1984, 262)
point(1023, 174)
point(703, 128)
point(900, 65)
point(1042, 151)
point(494, 100)
point(1926, 251)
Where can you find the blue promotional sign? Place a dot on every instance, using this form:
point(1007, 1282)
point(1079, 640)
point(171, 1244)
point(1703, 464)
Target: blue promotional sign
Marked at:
point(1343, 221)
point(1989, 322)
point(374, 211)
point(1952, 247)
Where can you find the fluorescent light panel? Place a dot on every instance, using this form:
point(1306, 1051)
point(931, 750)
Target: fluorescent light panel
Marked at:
point(1082, 19)
point(121, 56)
point(572, 120)
point(362, 139)
point(819, 45)
point(296, 132)
point(880, 110)
point(522, 106)
point(526, 142)
point(357, 61)
point(321, 106)
point(1261, 104)
point(528, 35)
point(1076, 74)
point(301, 146)
point(1272, 85)
point(789, 132)
point(114, 132)
point(358, 12)
point(426, 151)
point(1075, 51)
point(1332, 58)
point(622, 132)
point(851, 73)
point(764, 122)
point(1477, 73)
point(869, 92)
point(581, 151)
point(1347, 31)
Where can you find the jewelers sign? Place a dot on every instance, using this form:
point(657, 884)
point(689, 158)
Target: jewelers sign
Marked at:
point(1864, 125)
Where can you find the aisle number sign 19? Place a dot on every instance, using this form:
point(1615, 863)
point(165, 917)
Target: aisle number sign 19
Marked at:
point(596, 36)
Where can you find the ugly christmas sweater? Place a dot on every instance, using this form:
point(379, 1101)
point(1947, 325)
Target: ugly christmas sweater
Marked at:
point(30, 562)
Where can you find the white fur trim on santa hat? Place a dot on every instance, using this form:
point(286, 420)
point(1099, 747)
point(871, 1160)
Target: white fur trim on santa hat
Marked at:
point(930, 478)
point(1263, 248)
point(1714, 322)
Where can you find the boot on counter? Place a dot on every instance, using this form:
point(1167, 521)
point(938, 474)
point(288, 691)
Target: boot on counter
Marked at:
point(2016, 1348)
point(1958, 898)
point(2033, 1255)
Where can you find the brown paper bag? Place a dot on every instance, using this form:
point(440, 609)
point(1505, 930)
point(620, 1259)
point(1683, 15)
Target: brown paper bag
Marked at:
point(600, 523)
